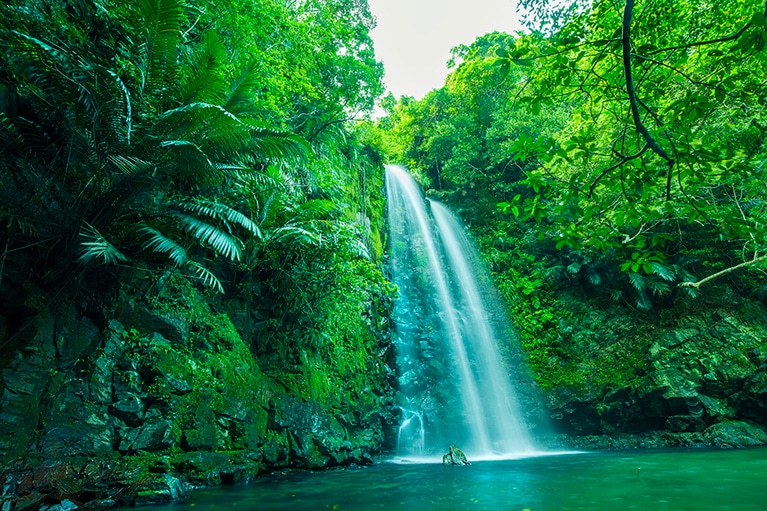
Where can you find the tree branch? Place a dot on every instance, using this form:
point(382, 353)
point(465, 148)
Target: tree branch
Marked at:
point(633, 100)
point(623, 160)
point(724, 39)
point(716, 275)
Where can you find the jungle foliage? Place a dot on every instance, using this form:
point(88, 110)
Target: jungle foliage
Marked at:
point(616, 148)
point(206, 141)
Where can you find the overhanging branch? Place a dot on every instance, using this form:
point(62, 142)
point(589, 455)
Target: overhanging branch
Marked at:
point(716, 275)
point(628, 14)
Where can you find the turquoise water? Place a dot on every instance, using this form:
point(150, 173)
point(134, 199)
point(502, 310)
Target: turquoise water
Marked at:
point(695, 480)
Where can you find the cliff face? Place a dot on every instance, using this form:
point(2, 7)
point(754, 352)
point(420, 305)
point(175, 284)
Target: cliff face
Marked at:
point(144, 396)
point(690, 375)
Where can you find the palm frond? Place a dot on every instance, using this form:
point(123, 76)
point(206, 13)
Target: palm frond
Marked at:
point(206, 276)
point(222, 212)
point(13, 221)
point(191, 110)
point(160, 21)
point(158, 242)
point(273, 145)
point(211, 126)
point(96, 248)
point(128, 107)
point(131, 166)
point(242, 91)
point(204, 80)
point(208, 234)
point(188, 162)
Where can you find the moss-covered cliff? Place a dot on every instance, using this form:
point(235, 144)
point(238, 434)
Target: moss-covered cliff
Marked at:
point(155, 391)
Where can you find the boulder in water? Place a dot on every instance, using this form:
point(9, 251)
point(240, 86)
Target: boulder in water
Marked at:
point(455, 456)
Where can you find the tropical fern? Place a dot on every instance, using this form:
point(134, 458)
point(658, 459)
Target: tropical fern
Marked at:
point(205, 81)
point(240, 97)
point(273, 145)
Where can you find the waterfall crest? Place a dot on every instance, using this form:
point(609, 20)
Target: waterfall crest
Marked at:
point(453, 385)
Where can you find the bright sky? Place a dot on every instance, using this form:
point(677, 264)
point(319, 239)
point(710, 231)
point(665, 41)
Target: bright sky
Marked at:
point(414, 37)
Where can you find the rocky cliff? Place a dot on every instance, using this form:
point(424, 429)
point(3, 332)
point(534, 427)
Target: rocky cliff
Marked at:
point(145, 395)
point(690, 375)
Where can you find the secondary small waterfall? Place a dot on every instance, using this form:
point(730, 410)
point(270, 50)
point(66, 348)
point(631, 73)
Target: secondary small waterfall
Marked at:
point(453, 386)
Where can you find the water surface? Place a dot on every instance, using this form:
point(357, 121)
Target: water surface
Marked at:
point(695, 480)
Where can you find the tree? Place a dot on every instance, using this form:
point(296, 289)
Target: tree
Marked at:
point(665, 153)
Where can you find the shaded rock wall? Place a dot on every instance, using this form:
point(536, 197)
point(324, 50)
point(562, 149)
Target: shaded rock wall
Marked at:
point(139, 400)
point(684, 371)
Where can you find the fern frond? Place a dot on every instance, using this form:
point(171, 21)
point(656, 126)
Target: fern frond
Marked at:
point(128, 107)
point(638, 281)
point(593, 276)
point(188, 162)
point(193, 109)
point(692, 291)
point(359, 249)
point(314, 209)
point(23, 224)
point(211, 126)
point(293, 234)
point(658, 287)
point(96, 248)
point(220, 241)
point(664, 271)
point(643, 301)
point(204, 81)
point(574, 267)
point(206, 276)
point(158, 242)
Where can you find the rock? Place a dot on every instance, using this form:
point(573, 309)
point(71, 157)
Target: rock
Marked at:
point(130, 409)
point(455, 456)
point(735, 434)
point(64, 505)
point(162, 488)
point(148, 437)
point(685, 423)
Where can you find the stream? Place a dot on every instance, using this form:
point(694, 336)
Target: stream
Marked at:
point(642, 480)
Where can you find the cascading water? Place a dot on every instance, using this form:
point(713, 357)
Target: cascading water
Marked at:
point(453, 387)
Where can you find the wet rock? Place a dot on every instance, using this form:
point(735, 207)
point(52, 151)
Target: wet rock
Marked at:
point(455, 456)
point(685, 423)
point(130, 410)
point(151, 436)
point(64, 505)
point(25, 376)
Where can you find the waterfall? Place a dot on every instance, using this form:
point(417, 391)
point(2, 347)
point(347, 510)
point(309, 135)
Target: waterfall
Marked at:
point(453, 385)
